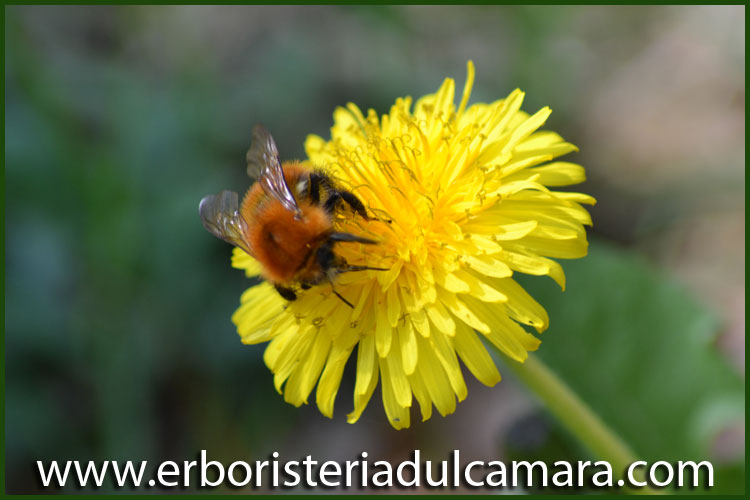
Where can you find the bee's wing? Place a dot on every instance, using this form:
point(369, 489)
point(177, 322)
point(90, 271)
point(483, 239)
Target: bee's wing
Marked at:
point(264, 166)
point(221, 217)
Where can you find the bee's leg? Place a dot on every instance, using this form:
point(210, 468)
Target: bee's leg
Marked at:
point(330, 205)
point(320, 180)
point(349, 199)
point(325, 256)
point(328, 261)
point(286, 293)
point(337, 294)
point(354, 202)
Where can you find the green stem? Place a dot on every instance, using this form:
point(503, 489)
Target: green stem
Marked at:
point(576, 416)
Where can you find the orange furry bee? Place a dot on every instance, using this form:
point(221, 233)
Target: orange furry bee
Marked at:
point(285, 220)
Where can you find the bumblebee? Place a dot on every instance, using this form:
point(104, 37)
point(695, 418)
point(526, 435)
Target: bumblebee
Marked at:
point(285, 220)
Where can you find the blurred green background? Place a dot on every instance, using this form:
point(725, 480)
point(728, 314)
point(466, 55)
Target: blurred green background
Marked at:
point(118, 340)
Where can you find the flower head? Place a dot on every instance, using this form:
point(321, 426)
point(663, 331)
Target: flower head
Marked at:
point(461, 201)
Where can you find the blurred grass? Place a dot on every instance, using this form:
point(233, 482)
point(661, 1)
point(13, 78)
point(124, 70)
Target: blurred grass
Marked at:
point(119, 119)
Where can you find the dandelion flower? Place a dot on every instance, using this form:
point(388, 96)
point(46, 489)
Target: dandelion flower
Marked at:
point(461, 201)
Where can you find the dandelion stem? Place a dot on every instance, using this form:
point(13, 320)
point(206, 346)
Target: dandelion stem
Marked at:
point(577, 417)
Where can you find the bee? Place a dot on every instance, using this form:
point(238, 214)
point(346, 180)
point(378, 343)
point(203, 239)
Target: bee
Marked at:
point(285, 220)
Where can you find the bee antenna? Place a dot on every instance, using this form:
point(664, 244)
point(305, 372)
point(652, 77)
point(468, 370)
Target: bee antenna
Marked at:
point(336, 236)
point(363, 268)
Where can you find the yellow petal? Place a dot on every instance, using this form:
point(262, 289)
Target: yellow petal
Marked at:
point(507, 335)
point(450, 281)
point(287, 331)
point(386, 278)
point(284, 352)
point(527, 127)
point(420, 322)
point(301, 382)
point(367, 376)
point(364, 299)
point(446, 354)
point(532, 264)
point(540, 139)
point(409, 352)
point(576, 197)
point(512, 187)
point(393, 305)
point(475, 356)
point(295, 351)
point(241, 260)
point(503, 113)
point(395, 373)
point(260, 308)
point(523, 161)
point(432, 374)
point(441, 318)
point(467, 87)
point(422, 395)
point(558, 249)
point(507, 232)
point(444, 97)
point(330, 380)
point(392, 387)
point(479, 289)
point(408, 299)
point(484, 244)
point(521, 306)
point(489, 266)
point(461, 311)
point(530, 149)
point(561, 173)
point(383, 330)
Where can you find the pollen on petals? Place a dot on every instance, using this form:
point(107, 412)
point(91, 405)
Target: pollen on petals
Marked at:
point(462, 199)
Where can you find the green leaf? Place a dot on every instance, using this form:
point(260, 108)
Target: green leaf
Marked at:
point(641, 353)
